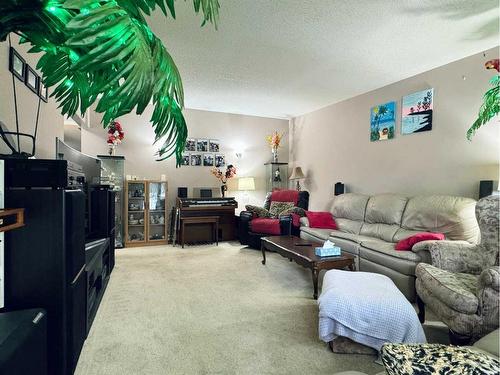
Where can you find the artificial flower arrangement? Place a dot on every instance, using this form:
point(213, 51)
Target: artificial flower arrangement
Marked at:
point(224, 176)
point(115, 133)
point(115, 136)
point(274, 140)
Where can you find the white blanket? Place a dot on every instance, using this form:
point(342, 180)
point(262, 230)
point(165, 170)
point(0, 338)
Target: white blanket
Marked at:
point(367, 308)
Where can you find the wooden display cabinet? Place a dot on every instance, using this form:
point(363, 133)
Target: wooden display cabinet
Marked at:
point(145, 213)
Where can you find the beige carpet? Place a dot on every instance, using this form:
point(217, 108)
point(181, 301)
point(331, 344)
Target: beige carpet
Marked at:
point(209, 310)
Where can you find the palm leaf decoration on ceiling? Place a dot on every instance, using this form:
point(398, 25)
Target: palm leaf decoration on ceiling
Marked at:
point(103, 52)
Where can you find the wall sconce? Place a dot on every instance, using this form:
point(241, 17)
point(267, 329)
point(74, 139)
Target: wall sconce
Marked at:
point(239, 155)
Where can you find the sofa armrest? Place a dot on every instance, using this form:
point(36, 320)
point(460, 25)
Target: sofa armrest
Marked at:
point(488, 288)
point(304, 222)
point(457, 256)
point(286, 225)
point(490, 278)
point(244, 226)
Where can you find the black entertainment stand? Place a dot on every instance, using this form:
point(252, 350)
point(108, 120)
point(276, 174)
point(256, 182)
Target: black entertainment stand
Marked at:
point(61, 260)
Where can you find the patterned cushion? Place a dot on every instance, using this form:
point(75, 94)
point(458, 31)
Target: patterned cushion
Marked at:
point(408, 359)
point(258, 211)
point(277, 208)
point(456, 290)
point(295, 210)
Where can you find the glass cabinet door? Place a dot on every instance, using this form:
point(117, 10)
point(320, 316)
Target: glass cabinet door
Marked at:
point(156, 211)
point(136, 211)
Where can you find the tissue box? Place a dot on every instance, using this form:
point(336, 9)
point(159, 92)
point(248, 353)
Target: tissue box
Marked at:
point(327, 252)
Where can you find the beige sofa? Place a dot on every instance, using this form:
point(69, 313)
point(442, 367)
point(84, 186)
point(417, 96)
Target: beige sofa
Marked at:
point(370, 226)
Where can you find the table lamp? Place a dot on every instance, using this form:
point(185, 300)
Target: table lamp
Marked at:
point(297, 175)
point(246, 184)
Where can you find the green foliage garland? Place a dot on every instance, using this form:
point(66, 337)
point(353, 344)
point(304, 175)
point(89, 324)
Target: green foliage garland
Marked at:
point(490, 107)
point(103, 51)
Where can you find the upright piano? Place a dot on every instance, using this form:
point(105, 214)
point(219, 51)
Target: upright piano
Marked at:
point(223, 208)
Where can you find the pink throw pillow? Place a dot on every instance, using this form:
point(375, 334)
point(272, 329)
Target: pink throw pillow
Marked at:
point(407, 243)
point(321, 220)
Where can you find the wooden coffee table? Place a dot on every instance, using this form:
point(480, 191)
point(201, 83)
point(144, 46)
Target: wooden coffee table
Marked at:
point(302, 252)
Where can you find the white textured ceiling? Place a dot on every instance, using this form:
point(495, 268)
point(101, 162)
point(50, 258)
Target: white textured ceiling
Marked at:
point(282, 58)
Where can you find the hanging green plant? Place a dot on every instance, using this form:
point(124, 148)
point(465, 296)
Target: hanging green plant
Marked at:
point(103, 51)
point(491, 101)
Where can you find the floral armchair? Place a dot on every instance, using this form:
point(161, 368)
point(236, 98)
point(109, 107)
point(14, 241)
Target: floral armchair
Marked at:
point(252, 228)
point(463, 282)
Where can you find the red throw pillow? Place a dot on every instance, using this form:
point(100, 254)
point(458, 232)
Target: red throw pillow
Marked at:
point(407, 243)
point(321, 220)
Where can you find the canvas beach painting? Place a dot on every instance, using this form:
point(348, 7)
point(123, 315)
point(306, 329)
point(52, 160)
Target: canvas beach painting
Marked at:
point(416, 112)
point(382, 122)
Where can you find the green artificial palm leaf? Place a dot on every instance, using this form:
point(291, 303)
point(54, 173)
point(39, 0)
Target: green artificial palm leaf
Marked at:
point(103, 51)
point(490, 107)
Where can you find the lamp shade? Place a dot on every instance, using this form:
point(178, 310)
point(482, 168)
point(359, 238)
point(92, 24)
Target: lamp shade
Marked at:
point(246, 183)
point(297, 174)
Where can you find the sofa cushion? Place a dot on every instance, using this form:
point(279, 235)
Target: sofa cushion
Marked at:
point(267, 226)
point(348, 225)
point(349, 245)
point(456, 290)
point(384, 253)
point(257, 211)
point(322, 220)
point(407, 243)
point(357, 238)
point(402, 233)
point(350, 206)
point(320, 234)
point(386, 209)
point(285, 196)
point(278, 208)
point(381, 231)
point(452, 216)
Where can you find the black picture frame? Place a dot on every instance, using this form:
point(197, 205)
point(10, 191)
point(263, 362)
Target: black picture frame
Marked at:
point(43, 92)
point(14, 60)
point(29, 74)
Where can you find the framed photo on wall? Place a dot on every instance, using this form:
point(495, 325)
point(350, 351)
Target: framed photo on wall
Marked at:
point(214, 145)
point(202, 145)
point(43, 92)
point(17, 64)
point(195, 159)
point(220, 160)
point(208, 160)
point(31, 79)
point(185, 159)
point(190, 144)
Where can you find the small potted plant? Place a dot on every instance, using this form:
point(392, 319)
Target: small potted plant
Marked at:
point(230, 172)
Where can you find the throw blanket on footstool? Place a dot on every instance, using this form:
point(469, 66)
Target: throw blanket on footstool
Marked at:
point(367, 308)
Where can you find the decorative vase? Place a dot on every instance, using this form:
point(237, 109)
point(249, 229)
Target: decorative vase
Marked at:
point(223, 190)
point(112, 149)
point(275, 154)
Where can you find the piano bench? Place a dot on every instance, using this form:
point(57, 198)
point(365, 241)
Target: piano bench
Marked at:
point(213, 220)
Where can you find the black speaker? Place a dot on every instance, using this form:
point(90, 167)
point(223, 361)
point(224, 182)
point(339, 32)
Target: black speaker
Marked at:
point(485, 188)
point(182, 192)
point(339, 188)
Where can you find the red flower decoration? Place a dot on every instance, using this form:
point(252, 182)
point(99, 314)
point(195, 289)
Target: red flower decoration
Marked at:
point(115, 133)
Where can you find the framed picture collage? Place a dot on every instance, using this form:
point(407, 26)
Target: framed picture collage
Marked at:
point(25, 73)
point(203, 153)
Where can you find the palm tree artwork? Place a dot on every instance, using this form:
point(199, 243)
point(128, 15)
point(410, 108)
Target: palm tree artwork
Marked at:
point(382, 122)
point(103, 52)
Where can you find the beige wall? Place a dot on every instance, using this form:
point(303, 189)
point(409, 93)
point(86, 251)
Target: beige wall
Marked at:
point(237, 133)
point(333, 144)
point(51, 121)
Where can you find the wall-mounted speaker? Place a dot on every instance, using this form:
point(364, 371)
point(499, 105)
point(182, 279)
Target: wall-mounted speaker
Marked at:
point(486, 188)
point(339, 188)
point(182, 192)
